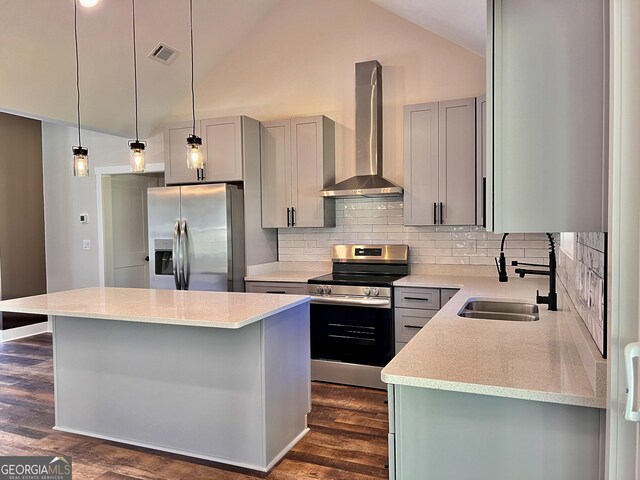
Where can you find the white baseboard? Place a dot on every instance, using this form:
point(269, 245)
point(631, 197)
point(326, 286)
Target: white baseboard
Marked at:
point(186, 453)
point(21, 332)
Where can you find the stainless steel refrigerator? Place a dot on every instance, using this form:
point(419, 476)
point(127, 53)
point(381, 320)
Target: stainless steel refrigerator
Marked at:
point(196, 238)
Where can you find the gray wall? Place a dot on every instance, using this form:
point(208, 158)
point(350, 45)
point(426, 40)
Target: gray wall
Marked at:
point(22, 250)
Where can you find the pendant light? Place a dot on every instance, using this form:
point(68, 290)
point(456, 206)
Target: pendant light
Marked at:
point(195, 160)
point(137, 161)
point(80, 153)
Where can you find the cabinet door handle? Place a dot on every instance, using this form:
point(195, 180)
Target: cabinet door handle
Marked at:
point(276, 291)
point(484, 202)
point(417, 298)
point(293, 216)
point(630, 352)
point(413, 326)
point(288, 216)
point(441, 215)
point(435, 213)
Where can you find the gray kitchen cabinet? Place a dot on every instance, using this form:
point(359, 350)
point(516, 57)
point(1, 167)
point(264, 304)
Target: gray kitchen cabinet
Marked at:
point(414, 307)
point(481, 158)
point(420, 164)
point(288, 288)
point(298, 160)
point(547, 113)
point(440, 163)
point(175, 153)
point(442, 434)
point(417, 297)
point(408, 321)
point(222, 142)
point(223, 150)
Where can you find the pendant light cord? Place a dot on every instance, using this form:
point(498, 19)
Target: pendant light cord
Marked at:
point(193, 95)
point(135, 64)
point(75, 33)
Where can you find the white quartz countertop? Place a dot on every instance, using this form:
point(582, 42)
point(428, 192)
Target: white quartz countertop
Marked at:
point(188, 308)
point(282, 276)
point(553, 359)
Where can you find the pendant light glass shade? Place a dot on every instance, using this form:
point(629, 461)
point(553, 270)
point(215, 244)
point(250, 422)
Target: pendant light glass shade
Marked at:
point(137, 159)
point(195, 159)
point(80, 161)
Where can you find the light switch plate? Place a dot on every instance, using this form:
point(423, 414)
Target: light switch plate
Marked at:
point(86, 244)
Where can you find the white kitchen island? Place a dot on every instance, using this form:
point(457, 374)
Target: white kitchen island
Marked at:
point(218, 376)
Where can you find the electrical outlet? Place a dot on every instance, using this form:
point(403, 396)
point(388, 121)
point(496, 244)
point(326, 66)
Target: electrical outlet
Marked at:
point(86, 245)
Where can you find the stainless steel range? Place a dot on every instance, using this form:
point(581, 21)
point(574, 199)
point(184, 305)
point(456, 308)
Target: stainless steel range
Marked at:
point(352, 314)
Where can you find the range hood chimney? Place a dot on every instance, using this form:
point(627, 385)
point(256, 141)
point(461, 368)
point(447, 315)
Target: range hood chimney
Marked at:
point(368, 181)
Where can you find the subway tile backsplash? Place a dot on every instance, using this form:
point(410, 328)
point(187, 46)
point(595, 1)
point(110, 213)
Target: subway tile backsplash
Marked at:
point(585, 279)
point(376, 220)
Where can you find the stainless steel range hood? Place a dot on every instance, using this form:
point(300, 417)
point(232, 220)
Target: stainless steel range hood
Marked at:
point(368, 181)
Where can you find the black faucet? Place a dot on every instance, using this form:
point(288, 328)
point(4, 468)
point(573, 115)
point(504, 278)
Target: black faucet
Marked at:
point(552, 298)
point(501, 264)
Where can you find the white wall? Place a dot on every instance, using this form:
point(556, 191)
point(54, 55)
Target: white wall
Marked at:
point(300, 61)
point(66, 197)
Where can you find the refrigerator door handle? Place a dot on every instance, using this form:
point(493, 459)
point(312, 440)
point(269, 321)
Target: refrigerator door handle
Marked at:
point(631, 351)
point(176, 254)
point(186, 264)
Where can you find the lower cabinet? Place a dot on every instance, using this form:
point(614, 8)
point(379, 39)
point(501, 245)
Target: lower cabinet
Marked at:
point(439, 434)
point(414, 307)
point(289, 288)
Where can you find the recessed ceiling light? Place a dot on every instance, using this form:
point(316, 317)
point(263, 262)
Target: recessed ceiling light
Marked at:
point(89, 3)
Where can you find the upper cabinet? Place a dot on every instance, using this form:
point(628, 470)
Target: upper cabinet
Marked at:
point(175, 153)
point(546, 116)
point(222, 140)
point(481, 160)
point(440, 163)
point(298, 160)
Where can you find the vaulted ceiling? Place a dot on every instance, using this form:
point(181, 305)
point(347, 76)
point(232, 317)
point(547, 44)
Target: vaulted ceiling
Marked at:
point(37, 63)
point(460, 21)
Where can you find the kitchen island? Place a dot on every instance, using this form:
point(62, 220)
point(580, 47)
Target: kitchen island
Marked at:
point(213, 375)
point(496, 400)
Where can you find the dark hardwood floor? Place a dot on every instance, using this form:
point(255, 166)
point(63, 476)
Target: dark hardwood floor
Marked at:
point(347, 441)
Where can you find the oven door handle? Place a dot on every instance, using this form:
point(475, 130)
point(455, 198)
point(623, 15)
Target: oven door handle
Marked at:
point(358, 302)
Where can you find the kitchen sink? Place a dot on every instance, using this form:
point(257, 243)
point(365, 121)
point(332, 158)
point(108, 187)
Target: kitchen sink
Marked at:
point(500, 310)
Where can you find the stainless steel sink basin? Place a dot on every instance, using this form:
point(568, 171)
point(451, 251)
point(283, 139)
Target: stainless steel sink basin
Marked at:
point(500, 310)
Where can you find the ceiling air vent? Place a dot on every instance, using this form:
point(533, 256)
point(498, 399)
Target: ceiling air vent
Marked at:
point(164, 54)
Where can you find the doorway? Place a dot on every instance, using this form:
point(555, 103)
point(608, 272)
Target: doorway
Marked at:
point(124, 222)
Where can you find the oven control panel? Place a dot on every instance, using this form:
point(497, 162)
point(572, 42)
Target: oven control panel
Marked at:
point(351, 291)
point(367, 252)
